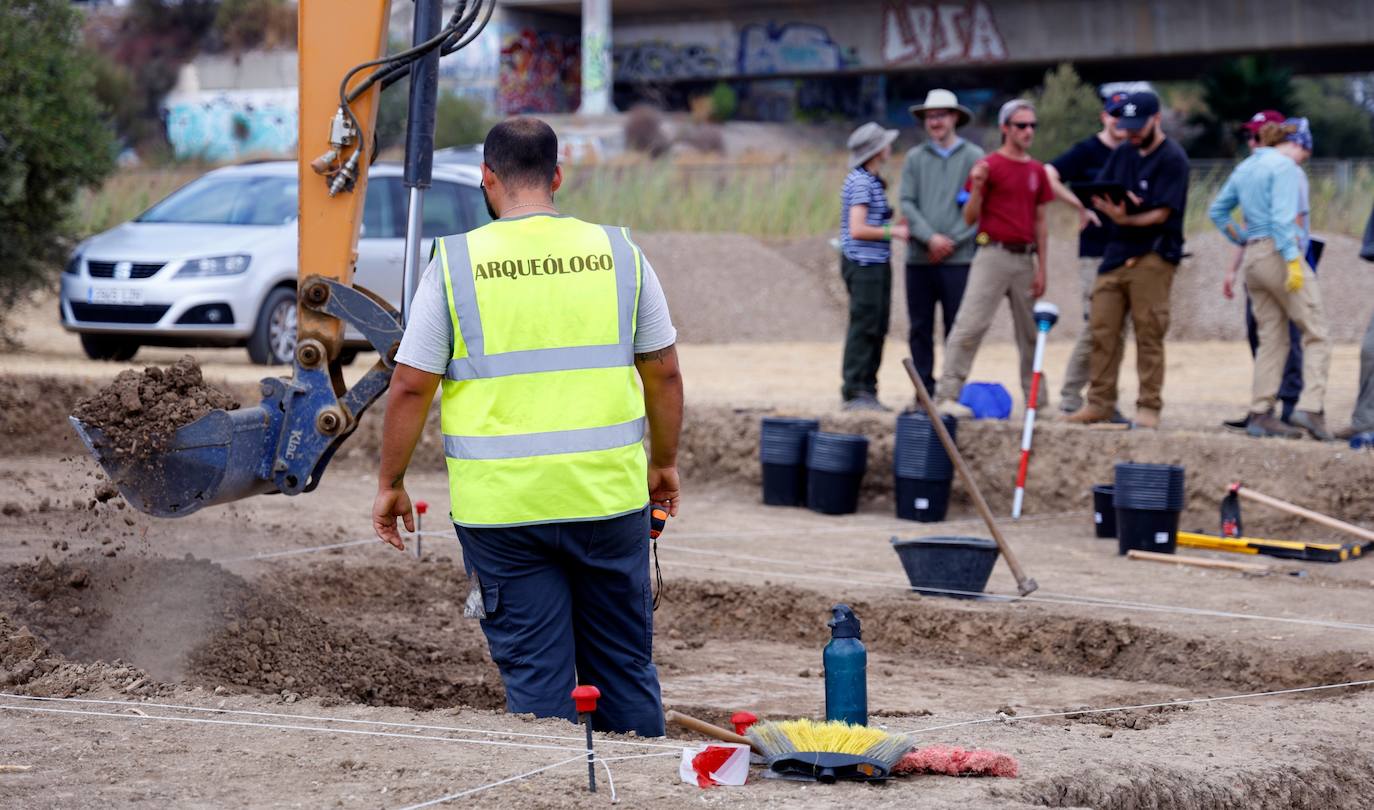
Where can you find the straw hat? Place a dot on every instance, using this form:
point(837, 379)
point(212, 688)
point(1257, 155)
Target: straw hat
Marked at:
point(867, 141)
point(940, 99)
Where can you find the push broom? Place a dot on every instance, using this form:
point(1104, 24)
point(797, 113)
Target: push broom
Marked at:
point(1046, 314)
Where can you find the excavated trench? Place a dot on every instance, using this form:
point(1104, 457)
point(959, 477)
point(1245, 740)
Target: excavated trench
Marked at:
point(394, 634)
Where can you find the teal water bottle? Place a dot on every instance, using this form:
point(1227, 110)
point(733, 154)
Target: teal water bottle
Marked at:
point(846, 670)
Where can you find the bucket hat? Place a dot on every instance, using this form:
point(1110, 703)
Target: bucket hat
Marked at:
point(941, 99)
point(867, 141)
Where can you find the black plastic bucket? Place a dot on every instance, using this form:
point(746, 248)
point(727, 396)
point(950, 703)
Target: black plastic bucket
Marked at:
point(835, 465)
point(1104, 510)
point(917, 451)
point(1146, 530)
point(1149, 486)
point(922, 501)
point(782, 452)
point(936, 565)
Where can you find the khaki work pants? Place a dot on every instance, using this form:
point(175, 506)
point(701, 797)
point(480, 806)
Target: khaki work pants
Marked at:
point(1265, 274)
point(1140, 289)
point(994, 275)
point(1079, 370)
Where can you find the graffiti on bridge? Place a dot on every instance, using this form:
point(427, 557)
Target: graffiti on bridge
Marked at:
point(790, 48)
point(540, 72)
point(941, 33)
point(227, 125)
point(657, 60)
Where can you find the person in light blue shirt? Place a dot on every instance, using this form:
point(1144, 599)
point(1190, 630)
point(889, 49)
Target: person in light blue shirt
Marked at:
point(1282, 287)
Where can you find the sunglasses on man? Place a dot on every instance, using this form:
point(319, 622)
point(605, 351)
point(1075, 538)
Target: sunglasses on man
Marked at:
point(1024, 124)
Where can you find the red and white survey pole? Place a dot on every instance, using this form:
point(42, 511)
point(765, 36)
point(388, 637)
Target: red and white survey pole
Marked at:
point(1046, 314)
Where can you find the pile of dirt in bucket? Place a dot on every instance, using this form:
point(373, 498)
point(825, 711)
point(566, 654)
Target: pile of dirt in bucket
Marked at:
point(192, 621)
point(139, 411)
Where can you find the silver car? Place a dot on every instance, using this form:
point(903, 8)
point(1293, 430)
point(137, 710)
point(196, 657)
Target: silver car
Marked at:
point(214, 264)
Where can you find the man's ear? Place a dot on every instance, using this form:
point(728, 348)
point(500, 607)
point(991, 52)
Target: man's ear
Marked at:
point(557, 178)
point(488, 176)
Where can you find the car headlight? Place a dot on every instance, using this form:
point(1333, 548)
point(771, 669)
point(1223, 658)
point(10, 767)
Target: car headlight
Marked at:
point(215, 266)
point(73, 265)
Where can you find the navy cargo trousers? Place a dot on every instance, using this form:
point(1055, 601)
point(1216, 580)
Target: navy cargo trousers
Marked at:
point(568, 604)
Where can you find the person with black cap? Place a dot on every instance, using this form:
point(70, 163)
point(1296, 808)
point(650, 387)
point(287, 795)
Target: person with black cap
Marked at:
point(1144, 247)
point(866, 234)
point(1082, 163)
point(941, 244)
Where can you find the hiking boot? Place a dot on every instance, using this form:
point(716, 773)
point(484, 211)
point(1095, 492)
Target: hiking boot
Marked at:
point(1312, 422)
point(1068, 405)
point(948, 407)
point(1147, 418)
point(1237, 425)
point(864, 402)
point(1088, 415)
point(1266, 424)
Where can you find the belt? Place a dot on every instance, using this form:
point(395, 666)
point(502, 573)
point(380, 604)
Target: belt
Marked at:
point(1010, 247)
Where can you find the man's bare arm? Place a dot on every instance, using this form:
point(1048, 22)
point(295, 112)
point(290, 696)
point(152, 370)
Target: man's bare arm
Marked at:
point(407, 407)
point(662, 381)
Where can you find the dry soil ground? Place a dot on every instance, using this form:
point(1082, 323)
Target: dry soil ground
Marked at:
point(298, 649)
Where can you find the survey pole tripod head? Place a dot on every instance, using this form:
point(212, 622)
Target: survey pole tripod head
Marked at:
point(1046, 315)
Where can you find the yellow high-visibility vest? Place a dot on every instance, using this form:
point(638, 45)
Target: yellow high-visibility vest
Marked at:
point(542, 414)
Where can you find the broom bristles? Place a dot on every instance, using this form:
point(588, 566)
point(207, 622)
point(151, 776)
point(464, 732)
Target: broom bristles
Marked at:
point(836, 737)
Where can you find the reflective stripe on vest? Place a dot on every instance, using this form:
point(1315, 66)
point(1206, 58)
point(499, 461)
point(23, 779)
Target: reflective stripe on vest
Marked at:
point(478, 364)
point(542, 414)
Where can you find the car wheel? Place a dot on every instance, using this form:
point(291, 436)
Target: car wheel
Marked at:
point(116, 348)
point(274, 338)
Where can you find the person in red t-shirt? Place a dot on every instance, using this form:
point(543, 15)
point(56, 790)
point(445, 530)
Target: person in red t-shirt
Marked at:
point(1007, 195)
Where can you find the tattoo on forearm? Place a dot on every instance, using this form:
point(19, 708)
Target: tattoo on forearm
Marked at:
point(656, 356)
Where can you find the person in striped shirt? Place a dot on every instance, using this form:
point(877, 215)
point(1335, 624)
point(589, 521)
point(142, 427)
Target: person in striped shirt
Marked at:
point(866, 234)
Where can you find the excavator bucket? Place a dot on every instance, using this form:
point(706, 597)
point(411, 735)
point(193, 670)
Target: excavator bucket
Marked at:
point(280, 445)
point(215, 459)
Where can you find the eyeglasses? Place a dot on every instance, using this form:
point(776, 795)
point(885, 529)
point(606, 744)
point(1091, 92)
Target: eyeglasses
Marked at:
point(1024, 124)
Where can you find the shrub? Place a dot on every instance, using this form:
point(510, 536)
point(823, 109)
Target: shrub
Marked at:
point(1067, 109)
point(724, 102)
point(53, 140)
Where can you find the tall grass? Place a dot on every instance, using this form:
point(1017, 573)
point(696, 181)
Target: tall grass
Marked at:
point(794, 199)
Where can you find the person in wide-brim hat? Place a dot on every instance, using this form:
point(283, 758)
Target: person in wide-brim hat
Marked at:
point(940, 99)
point(867, 141)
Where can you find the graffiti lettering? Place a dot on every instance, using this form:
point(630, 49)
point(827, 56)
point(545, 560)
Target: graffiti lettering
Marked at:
point(658, 60)
point(790, 48)
point(943, 33)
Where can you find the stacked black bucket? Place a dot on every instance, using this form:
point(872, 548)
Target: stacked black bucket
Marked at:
point(835, 465)
point(782, 449)
point(922, 469)
point(1148, 500)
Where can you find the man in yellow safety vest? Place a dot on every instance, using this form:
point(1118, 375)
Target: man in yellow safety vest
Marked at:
point(552, 345)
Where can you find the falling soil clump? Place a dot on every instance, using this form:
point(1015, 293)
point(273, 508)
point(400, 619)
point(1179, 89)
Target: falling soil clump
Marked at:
point(139, 411)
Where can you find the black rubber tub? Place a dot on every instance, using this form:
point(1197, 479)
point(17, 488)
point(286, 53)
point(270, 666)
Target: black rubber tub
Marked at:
point(922, 501)
point(1146, 530)
point(835, 465)
point(1148, 486)
point(782, 452)
point(957, 567)
point(917, 451)
point(1104, 510)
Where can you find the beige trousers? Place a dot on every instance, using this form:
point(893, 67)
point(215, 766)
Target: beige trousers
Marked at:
point(1265, 274)
point(994, 275)
point(1139, 290)
point(1079, 371)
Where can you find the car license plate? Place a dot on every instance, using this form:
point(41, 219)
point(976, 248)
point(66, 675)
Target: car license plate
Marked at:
point(121, 295)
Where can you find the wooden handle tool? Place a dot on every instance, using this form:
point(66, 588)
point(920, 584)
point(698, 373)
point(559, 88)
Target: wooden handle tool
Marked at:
point(1294, 509)
point(703, 727)
point(1024, 584)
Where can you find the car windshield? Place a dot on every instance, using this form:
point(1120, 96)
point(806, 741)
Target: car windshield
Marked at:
point(229, 200)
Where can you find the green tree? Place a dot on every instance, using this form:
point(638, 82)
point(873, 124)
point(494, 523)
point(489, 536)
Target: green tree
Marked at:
point(1068, 110)
point(53, 139)
point(1232, 92)
point(1340, 127)
point(458, 121)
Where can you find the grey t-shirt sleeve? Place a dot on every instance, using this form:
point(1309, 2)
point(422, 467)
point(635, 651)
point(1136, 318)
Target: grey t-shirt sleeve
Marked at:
point(654, 325)
point(427, 343)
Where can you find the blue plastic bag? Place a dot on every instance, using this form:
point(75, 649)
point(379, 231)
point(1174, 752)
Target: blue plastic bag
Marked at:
point(986, 400)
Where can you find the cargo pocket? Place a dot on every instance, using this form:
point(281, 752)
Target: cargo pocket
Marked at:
point(494, 625)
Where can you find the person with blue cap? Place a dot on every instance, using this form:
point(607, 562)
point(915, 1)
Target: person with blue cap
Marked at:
point(1267, 187)
point(1144, 247)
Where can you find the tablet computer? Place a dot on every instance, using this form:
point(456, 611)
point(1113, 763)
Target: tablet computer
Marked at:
point(1086, 191)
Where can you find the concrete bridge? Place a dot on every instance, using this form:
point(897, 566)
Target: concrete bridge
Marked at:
point(546, 46)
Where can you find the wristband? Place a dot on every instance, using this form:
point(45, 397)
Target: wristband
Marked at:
point(887, 231)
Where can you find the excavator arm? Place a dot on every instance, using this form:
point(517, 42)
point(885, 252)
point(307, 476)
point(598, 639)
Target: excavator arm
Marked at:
point(284, 443)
